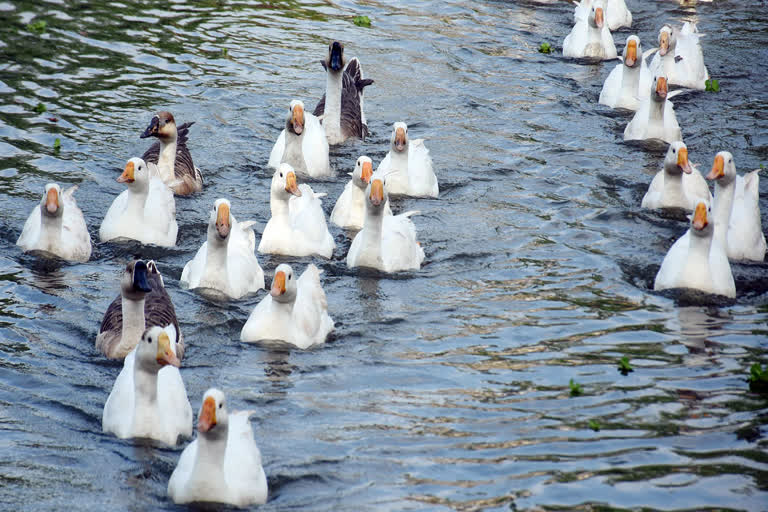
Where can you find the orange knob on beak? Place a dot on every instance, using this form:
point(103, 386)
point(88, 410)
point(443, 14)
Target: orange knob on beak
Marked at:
point(400, 139)
point(278, 284)
point(599, 17)
point(207, 419)
point(700, 216)
point(127, 176)
point(52, 201)
point(165, 354)
point(630, 56)
point(718, 168)
point(367, 172)
point(682, 161)
point(377, 192)
point(664, 44)
point(298, 119)
point(222, 220)
point(291, 185)
point(661, 87)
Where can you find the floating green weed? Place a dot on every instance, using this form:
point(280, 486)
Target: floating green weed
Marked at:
point(575, 388)
point(362, 21)
point(758, 379)
point(594, 425)
point(545, 48)
point(38, 27)
point(39, 108)
point(624, 366)
point(57, 145)
point(712, 85)
point(224, 53)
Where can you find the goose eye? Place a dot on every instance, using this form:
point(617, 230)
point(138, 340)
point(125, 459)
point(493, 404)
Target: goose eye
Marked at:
point(281, 175)
point(149, 339)
point(674, 150)
point(729, 160)
point(289, 276)
point(220, 405)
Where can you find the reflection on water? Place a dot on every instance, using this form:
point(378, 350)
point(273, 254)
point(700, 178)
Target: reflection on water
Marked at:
point(446, 388)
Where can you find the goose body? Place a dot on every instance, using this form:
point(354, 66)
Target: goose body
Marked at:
point(349, 211)
point(680, 57)
point(143, 302)
point(630, 81)
point(145, 212)
point(226, 261)
point(56, 226)
point(694, 261)
point(341, 107)
point(386, 242)
point(591, 38)
point(655, 118)
point(295, 311)
point(678, 184)
point(617, 14)
point(408, 166)
point(302, 144)
point(297, 226)
point(223, 464)
point(148, 399)
point(737, 210)
point(171, 155)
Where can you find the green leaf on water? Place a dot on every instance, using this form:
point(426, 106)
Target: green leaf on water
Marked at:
point(38, 27)
point(224, 52)
point(758, 378)
point(624, 366)
point(575, 388)
point(545, 48)
point(712, 85)
point(39, 108)
point(594, 425)
point(57, 145)
point(362, 21)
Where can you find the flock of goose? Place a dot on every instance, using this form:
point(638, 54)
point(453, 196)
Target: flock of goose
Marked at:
point(723, 227)
point(148, 399)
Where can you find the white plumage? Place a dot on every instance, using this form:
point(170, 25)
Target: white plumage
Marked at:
point(408, 166)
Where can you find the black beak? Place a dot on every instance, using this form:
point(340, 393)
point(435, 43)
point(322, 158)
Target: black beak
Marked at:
point(152, 128)
point(140, 277)
point(336, 56)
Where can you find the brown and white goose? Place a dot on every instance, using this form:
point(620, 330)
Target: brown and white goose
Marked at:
point(171, 155)
point(341, 107)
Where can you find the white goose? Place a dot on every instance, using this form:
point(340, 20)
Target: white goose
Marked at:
point(680, 57)
point(616, 13)
point(678, 184)
point(341, 107)
point(408, 166)
point(145, 212)
point(57, 227)
point(737, 210)
point(591, 37)
point(629, 81)
point(302, 144)
point(295, 311)
point(148, 399)
point(142, 302)
point(349, 211)
point(223, 464)
point(226, 261)
point(386, 243)
point(171, 155)
point(297, 226)
point(694, 261)
point(655, 119)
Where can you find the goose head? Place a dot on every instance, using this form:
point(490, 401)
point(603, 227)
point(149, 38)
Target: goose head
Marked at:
point(723, 169)
point(162, 126)
point(399, 140)
point(284, 284)
point(51, 204)
point(631, 51)
point(376, 195)
point(134, 284)
point(361, 176)
point(220, 221)
point(676, 161)
point(155, 350)
point(135, 175)
point(284, 182)
point(659, 89)
point(295, 121)
point(596, 17)
point(213, 420)
point(334, 62)
point(700, 224)
point(667, 40)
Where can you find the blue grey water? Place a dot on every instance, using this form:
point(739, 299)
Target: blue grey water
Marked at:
point(441, 389)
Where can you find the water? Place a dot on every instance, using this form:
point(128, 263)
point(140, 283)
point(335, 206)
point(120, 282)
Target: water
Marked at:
point(442, 389)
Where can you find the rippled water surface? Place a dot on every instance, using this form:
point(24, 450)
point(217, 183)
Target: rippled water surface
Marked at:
point(442, 389)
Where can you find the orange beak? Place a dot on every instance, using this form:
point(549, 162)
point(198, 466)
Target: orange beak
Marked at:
point(367, 172)
point(630, 56)
point(682, 161)
point(207, 419)
point(52, 201)
point(700, 217)
point(298, 119)
point(400, 139)
point(664, 44)
point(127, 176)
point(164, 353)
point(291, 185)
point(599, 17)
point(377, 192)
point(718, 169)
point(661, 87)
point(278, 284)
point(222, 220)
